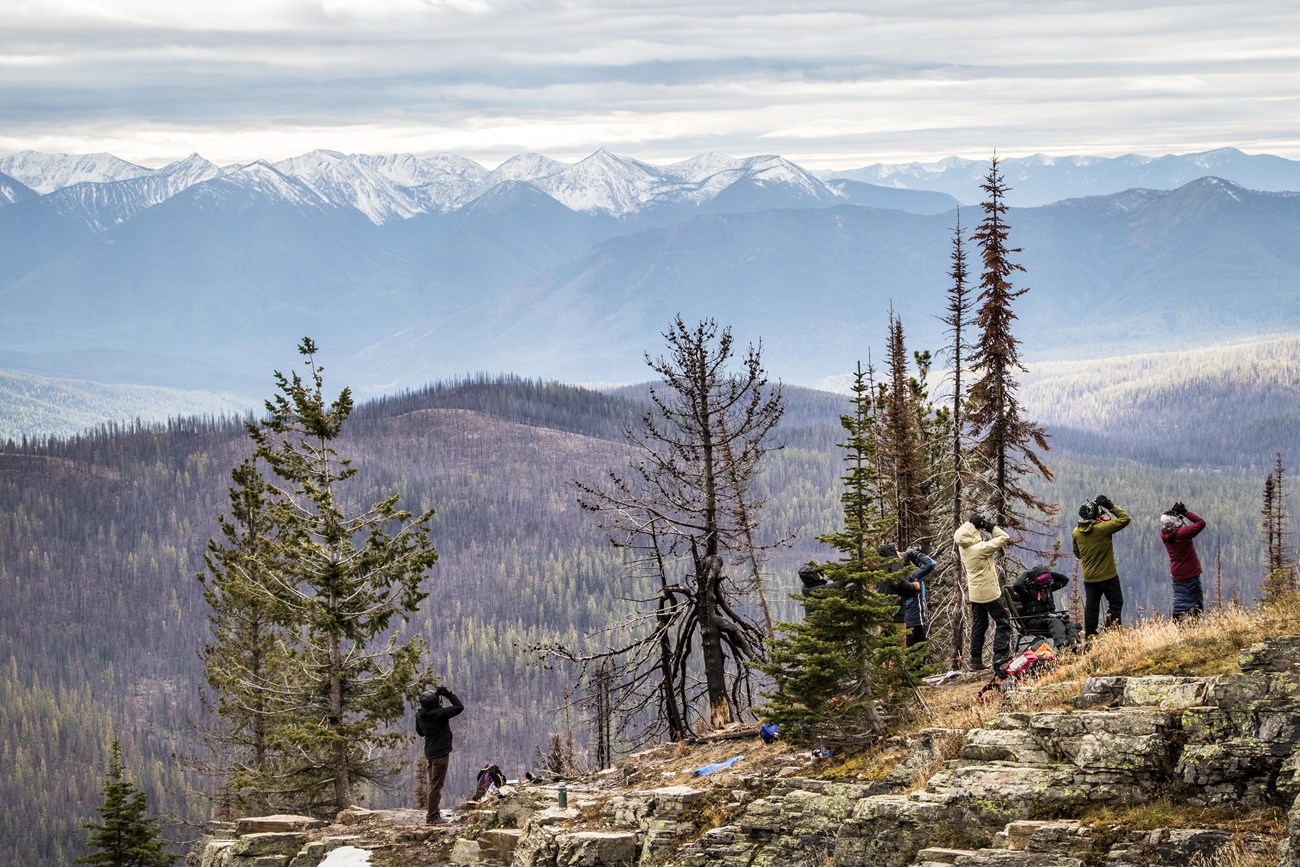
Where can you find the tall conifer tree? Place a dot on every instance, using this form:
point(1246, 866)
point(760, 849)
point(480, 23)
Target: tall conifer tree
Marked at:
point(244, 658)
point(903, 412)
point(950, 600)
point(1006, 443)
point(336, 581)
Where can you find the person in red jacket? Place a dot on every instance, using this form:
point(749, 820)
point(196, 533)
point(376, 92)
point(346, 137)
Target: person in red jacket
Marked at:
point(1178, 527)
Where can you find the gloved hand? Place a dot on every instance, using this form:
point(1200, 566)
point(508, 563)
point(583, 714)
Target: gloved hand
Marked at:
point(442, 690)
point(981, 523)
point(1179, 509)
point(1103, 501)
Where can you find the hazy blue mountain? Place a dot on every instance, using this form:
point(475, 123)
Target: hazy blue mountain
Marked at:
point(504, 236)
point(1040, 179)
point(13, 190)
point(894, 198)
point(1144, 270)
point(33, 231)
point(205, 287)
point(1207, 261)
point(212, 278)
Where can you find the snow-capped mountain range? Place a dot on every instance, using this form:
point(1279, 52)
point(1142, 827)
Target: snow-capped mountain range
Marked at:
point(401, 186)
point(409, 269)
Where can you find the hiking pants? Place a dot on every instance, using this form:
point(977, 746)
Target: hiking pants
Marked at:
point(915, 635)
point(980, 612)
point(1055, 626)
point(1093, 591)
point(1189, 598)
point(437, 776)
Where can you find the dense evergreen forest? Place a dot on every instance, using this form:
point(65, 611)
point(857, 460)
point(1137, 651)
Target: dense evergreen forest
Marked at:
point(101, 537)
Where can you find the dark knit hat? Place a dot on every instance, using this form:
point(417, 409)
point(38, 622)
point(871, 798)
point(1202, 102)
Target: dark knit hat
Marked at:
point(1089, 511)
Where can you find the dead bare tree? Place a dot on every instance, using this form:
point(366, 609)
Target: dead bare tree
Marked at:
point(683, 508)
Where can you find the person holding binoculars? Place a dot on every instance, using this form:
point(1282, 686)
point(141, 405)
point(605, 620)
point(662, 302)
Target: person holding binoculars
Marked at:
point(1092, 541)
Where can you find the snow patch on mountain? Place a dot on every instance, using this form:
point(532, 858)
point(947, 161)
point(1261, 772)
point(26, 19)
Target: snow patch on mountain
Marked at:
point(388, 186)
point(102, 205)
point(604, 182)
point(46, 173)
point(267, 182)
point(12, 190)
point(703, 167)
point(524, 167)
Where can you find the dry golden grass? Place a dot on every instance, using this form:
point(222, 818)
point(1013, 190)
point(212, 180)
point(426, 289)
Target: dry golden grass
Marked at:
point(1234, 854)
point(1208, 646)
point(1171, 812)
point(675, 764)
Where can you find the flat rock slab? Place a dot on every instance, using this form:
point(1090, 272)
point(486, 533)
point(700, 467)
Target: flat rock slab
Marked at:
point(276, 824)
point(284, 843)
point(597, 849)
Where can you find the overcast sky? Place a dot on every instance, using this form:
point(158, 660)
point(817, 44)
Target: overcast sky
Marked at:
point(828, 85)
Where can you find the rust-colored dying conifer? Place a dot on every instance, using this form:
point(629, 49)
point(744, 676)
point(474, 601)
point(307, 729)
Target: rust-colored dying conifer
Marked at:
point(1006, 444)
point(903, 452)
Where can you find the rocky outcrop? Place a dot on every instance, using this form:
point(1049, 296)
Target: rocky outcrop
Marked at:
point(1014, 792)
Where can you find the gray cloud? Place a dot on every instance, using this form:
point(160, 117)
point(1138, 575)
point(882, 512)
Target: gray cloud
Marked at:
point(826, 84)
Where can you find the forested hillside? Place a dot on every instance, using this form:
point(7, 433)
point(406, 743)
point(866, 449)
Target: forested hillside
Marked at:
point(101, 537)
point(1233, 405)
point(103, 534)
point(65, 407)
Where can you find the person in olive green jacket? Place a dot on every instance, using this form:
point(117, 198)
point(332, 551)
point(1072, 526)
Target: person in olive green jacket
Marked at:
point(984, 591)
point(1094, 547)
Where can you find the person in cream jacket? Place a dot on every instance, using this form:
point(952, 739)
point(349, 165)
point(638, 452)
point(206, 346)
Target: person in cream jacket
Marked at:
point(984, 590)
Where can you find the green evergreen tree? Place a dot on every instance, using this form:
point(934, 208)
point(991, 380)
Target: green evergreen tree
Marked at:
point(125, 836)
point(245, 656)
point(847, 655)
point(335, 582)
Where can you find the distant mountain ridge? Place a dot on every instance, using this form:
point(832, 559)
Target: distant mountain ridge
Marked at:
point(12, 190)
point(401, 186)
point(1040, 179)
point(198, 276)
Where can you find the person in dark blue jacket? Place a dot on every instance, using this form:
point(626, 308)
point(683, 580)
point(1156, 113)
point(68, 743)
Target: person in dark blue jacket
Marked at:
point(432, 721)
point(913, 606)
